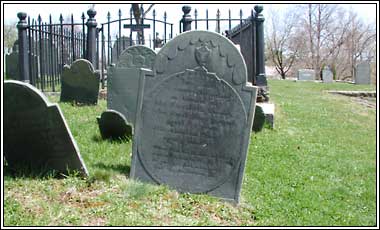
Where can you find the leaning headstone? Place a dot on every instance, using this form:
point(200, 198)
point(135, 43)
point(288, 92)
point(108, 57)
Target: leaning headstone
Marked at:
point(363, 73)
point(194, 117)
point(80, 83)
point(306, 75)
point(36, 135)
point(124, 80)
point(113, 125)
point(327, 75)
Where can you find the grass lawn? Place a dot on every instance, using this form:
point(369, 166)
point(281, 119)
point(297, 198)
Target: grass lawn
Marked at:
point(316, 168)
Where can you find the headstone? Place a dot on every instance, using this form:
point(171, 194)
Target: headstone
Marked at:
point(124, 80)
point(306, 75)
point(113, 125)
point(80, 83)
point(35, 132)
point(327, 75)
point(194, 117)
point(259, 119)
point(12, 66)
point(363, 73)
point(122, 44)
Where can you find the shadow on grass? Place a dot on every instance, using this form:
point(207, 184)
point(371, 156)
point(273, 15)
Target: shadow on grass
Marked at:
point(98, 139)
point(25, 171)
point(121, 168)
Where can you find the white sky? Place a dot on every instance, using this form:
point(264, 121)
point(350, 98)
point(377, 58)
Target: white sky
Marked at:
point(174, 12)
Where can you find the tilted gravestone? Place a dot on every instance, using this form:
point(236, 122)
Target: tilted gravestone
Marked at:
point(113, 125)
point(363, 73)
point(306, 75)
point(327, 75)
point(194, 117)
point(124, 79)
point(80, 83)
point(35, 132)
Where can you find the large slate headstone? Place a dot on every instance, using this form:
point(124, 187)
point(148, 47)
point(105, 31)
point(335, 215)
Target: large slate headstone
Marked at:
point(363, 73)
point(113, 125)
point(80, 83)
point(327, 75)
point(194, 117)
point(35, 132)
point(306, 75)
point(124, 79)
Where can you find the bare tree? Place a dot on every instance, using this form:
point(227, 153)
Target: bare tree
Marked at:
point(139, 13)
point(282, 49)
point(10, 33)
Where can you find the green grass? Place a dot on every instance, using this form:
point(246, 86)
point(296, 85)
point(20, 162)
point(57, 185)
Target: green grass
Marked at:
point(316, 168)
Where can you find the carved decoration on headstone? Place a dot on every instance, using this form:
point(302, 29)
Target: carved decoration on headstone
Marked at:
point(194, 117)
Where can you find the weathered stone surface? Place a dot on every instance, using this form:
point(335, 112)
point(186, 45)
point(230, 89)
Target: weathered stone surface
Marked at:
point(194, 117)
point(80, 83)
point(121, 44)
point(12, 68)
point(259, 119)
point(113, 125)
point(124, 80)
point(363, 73)
point(35, 132)
point(327, 75)
point(306, 75)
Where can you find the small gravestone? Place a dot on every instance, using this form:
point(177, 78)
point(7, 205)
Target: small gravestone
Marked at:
point(113, 125)
point(124, 80)
point(35, 132)
point(12, 68)
point(363, 73)
point(259, 119)
point(80, 83)
point(327, 75)
point(306, 75)
point(194, 117)
point(122, 44)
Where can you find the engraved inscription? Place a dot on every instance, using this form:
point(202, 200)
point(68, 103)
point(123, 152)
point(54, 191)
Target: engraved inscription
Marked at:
point(191, 128)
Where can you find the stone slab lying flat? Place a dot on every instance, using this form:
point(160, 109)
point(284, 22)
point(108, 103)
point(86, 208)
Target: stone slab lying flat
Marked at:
point(36, 135)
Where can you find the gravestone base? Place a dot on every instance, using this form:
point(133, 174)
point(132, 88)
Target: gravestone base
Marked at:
point(268, 110)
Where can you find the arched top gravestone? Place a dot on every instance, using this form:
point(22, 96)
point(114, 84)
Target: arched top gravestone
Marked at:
point(194, 117)
point(124, 80)
point(35, 132)
point(80, 82)
point(113, 125)
point(137, 56)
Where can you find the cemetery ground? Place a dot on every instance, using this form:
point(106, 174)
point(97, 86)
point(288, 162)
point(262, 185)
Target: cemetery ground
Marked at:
point(317, 167)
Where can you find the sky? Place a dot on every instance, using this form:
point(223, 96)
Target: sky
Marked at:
point(174, 12)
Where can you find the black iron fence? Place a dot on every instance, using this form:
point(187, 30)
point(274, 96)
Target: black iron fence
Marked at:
point(44, 48)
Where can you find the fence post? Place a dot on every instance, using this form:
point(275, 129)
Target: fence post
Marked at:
point(23, 60)
point(261, 80)
point(91, 36)
point(186, 18)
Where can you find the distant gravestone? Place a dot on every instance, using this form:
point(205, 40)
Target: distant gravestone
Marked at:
point(80, 83)
point(306, 75)
point(327, 75)
point(12, 66)
point(259, 119)
point(124, 80)
point(35, 132)
point(122, 44)
point(113, 125)
point(194, 117)
point(363, 73)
